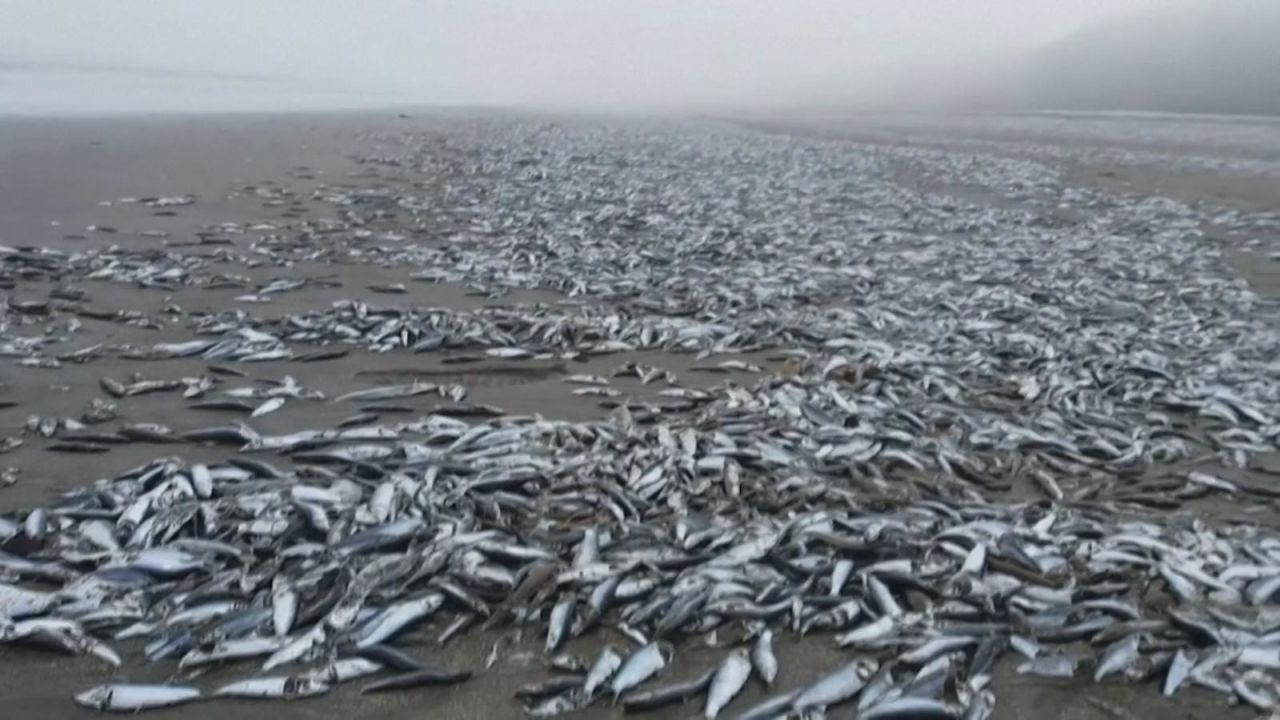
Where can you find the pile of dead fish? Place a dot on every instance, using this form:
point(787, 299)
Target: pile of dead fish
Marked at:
point(1009, 370)
point(941, 351)
point(1122, 325)
point(657, 533)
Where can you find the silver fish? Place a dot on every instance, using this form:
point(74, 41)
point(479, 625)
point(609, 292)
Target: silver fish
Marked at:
point(558, 624)
point(910, 708)
point(867, 633)
point(132, 698)
point(836, 687)
point(397, 617)
point(1118, 656)
point(638, 667)
point(605, 665)
point(770, 708)
point(1058, 666)
point(1179, 669)
point(730, 677)
point(286, 687)
point(762, 657)
point(344, 669)
point(668, 694)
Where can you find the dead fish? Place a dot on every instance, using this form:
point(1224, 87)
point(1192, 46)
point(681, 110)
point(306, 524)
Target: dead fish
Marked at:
point(99, 411)
point(113, 387)
point(880, 686)
point(358, 420)
point(935, 647)
point(95, 438)
point(418, 678)
point(320, 355)
point(387, 392)
point(296, 647)
point(867, 481)
point(667, 695)
point(397, 617)
point(152, 433)
point(1260, 698)
point(132, 698)
point(81, 448)
point(223, 405)
point(284, 604)
point(269, 406)
point(910, 708)
point(145, 387)
point(1118, 656)
point(638, 667)
point(834, 688)
point(394, 409)
point(870, 632)
point(605, 665)
point(762, 657)
point(558, 624)
point(509, 353)
point(227, 435)
point(227, 370)
point(554, 685)
point(390, 657)
point(232, 649)
point(586, 380)
point(770, 708)
point(566, 662)
point(288, 687)
point(1179, 670)
point(17, 603)
point(729, 679)
point(1053, 666)
point(553, 706)
point(343, 670)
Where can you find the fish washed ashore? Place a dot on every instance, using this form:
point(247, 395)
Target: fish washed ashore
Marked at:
point(605, 396)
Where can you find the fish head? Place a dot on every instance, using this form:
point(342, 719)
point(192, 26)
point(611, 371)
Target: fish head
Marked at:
point(667, 651)
point(866, 667)
point(98, 698)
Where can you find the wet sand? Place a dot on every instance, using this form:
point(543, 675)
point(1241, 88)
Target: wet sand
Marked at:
point(60, 186)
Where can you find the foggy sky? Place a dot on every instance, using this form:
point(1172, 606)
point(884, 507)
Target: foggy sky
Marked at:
point(1223, 58)
point(588, 52)
point(581, 53)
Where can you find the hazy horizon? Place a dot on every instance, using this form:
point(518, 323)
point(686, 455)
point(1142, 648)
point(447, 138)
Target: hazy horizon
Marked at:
point(614, 55)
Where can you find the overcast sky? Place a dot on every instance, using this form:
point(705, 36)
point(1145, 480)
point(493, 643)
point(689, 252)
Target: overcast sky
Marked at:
point(595, 52)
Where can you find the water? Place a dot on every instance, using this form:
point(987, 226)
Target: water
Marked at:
point(58, 91)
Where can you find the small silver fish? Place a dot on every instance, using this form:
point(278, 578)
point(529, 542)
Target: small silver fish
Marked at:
point(131, 698)
point(558, 623)
point(284, 687)
point(728, 681)
point(762, 657)
point(1179, 669)
point(1055, 666)
point(909, 708)
point(835, 687)
point(638, 667)
point(606, 664)
point(1118, 656)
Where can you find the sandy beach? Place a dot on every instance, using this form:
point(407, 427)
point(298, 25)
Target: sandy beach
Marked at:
point(80, 186)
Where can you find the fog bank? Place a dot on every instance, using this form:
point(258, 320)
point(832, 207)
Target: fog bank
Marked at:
point(1221, 58)
point(681, 55)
